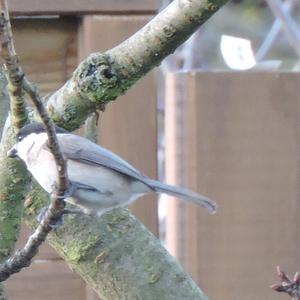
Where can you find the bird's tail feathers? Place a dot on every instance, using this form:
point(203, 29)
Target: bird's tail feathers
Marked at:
point(184, 194)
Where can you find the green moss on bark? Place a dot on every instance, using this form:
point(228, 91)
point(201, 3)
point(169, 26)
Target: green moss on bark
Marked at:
point(117, 255)
point(102, 77)
point(13, 182)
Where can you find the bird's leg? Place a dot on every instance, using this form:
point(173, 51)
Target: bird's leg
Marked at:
point(54, 193)
point(67, 194)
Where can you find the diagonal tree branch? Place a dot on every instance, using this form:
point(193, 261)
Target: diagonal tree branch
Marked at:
point(117, 256)
point(102, 77)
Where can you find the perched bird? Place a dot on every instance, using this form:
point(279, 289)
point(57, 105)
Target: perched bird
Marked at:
point(99, 179)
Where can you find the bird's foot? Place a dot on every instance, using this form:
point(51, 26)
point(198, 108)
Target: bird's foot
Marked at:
point(60, 221)
point(42, 214)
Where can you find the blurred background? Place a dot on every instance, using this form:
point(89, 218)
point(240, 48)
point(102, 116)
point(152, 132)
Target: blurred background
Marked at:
point(220, 116)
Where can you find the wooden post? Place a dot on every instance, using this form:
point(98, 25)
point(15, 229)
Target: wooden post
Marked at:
point(235, 137)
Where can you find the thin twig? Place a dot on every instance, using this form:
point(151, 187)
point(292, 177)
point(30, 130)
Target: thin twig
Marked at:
point(23, 258)
point(12, 68)
point(288, 285)
point(91, 123)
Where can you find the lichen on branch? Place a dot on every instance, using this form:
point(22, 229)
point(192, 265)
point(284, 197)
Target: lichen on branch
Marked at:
point(102, 77)
point(117, 255)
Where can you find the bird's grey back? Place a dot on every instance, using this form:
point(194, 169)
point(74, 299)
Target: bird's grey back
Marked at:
point(80, 149)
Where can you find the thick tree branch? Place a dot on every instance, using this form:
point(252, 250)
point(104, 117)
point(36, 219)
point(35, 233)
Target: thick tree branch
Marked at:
point(102, 77)
point(117, 255)
point(13, 182)
point(4, 100)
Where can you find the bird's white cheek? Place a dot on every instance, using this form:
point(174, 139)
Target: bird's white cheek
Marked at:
point(22, 153)
point(25, 147)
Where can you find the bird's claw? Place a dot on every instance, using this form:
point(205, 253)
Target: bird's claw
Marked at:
point(41, 217)
point(59, 222)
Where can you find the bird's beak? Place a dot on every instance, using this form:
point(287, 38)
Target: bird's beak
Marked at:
point(12, 153)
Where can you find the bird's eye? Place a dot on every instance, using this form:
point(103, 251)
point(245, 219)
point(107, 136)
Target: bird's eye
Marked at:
point(20, 138)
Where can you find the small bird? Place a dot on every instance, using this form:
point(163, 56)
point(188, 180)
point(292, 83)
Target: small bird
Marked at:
point(100, 180)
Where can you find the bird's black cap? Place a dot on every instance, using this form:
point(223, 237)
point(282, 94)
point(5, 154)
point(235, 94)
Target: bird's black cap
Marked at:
point(36, 128)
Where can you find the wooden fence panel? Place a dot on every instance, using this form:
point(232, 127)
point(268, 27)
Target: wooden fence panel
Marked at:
point(128, 126)
point(46, 279)
point(47, 49)
point(236, 138)
point(45, 253)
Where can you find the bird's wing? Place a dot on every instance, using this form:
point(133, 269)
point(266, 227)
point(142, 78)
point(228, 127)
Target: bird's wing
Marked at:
point(80, 149)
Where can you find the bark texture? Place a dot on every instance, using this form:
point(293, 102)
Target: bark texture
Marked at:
point(102, 77)
point(117, 255)
point(14, 180)
point(4, 101)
